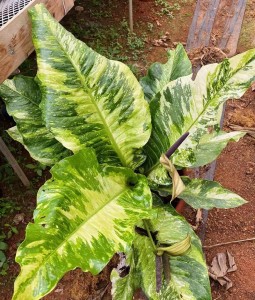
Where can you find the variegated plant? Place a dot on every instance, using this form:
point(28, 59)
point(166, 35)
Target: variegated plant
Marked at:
point(91, 120)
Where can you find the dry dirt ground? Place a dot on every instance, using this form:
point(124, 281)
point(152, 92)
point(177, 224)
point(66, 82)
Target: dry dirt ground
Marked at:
point(104, 27)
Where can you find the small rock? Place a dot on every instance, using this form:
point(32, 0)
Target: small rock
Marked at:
point(79, 8)
point(249, 171)
point(158, 23)
point(58, 291)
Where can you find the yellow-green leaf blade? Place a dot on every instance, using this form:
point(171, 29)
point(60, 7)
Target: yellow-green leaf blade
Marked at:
point(200, 193)
point(159, 75)
point(84, 215)
point(89, 100)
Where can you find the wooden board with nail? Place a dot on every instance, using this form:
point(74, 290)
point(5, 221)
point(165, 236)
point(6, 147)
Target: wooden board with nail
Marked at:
point(15, 36)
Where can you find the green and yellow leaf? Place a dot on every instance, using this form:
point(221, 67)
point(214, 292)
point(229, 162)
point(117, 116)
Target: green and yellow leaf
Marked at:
point(159, 75)
point(84, 215)
point(210, 146)
point(89, 100)
point(200, 193)
point(15, 134)
point(22, 98)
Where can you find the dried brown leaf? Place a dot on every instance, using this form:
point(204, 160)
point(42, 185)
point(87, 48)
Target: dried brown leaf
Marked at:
point(222, 264)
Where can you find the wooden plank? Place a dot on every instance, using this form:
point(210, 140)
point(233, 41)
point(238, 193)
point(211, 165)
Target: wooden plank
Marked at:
point(130, 12)
point(233, 27)
point(12, 161)
point(15, 36)
point(202, 24)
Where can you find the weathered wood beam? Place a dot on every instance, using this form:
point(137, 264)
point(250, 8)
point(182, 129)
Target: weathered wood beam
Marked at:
point(15, 36)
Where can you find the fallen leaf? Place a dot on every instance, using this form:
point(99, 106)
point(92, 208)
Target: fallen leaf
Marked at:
point(231, 262)
point(222, 264)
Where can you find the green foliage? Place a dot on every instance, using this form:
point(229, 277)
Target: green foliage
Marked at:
point(5, 235)
point(7, 206)
point(82, 112)
point(150, 26)
point(166, 8)
point(197, 111)
point(3, 260)
point(106, 203)
point(6, 173)
point(188, 272)
point(159, 75)
point(37, 168)
point(89, 209)
point(30, 128)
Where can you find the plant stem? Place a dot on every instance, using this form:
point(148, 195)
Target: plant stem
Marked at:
point(146, 225)
point(159, 263)
point(176, 145)
point(171, 150)
point(159, 266)
point(166, 267)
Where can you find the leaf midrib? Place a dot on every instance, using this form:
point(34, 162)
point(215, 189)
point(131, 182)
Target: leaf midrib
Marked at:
point(106, 127)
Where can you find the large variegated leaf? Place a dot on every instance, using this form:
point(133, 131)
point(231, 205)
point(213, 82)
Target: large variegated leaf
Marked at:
point(22, 98)
point(89, 100)
point(191, 106)
point(159, 75)
point(85, 214)
point(207, 194)
point(189, 278)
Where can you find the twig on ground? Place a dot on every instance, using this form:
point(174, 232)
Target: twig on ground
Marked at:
point(228, 243)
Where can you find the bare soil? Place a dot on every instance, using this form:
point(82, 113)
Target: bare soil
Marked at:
point(106, 30)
